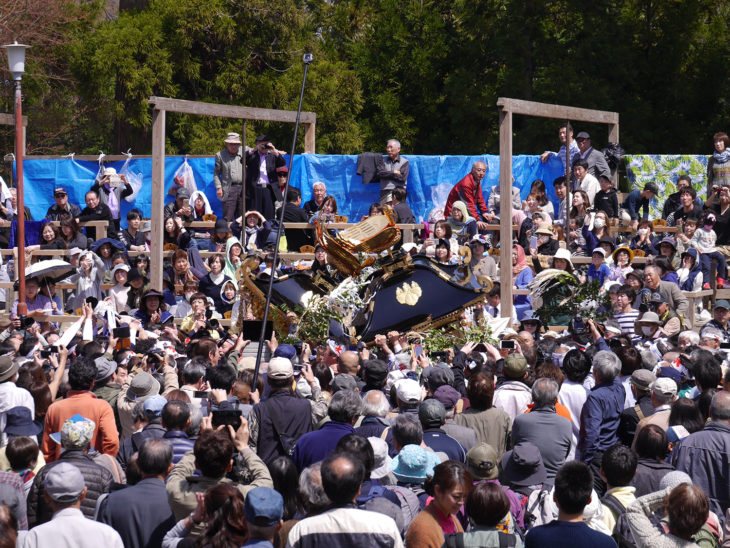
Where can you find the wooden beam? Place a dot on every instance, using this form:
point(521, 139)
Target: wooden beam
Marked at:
point(547, 110)
point(505, 211)
point(309, 131)
point(229, 111)
point(9, 120)
point(158, 197)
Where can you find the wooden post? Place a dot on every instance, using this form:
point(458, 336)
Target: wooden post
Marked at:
point(158, 197)
point(505, 211)
point(243, 174)
point(613, 138)
point(309, 133)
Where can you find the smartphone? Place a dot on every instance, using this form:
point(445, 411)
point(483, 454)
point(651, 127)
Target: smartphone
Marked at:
point(725, 345)
point(481, 347)
point(507, 344)
point(227, 417)
point(202, 394)
point(298, 368)
point(418, 350)
point(121, 332)
point(252, 330)
point(533, 242)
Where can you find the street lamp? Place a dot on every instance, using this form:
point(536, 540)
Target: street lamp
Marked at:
point(16, 63)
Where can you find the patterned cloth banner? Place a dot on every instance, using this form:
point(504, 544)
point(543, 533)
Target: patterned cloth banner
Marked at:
point(664, 170)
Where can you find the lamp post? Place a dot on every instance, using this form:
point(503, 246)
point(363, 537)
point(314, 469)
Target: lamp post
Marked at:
point(16, 63)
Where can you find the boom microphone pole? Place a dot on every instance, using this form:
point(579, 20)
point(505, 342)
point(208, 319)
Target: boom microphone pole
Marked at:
point(307, 59)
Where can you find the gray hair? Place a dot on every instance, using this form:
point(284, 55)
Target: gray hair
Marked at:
point(692, 337)
point(345, 405)
point(396, 141)
point(311, 490)
point(407, 429)
point(196, 419)
point(193, 371)
point(138, 413)
point(319, 183)
point(155, 456)
point(544, 392)
point(720, 407)
point(653, 268)
point(607, 365)
point(375, 404)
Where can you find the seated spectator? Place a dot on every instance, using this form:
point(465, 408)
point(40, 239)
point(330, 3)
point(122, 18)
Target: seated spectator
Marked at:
point(112, 189)
point(152, 311)
point(622, 258)
point(441, 230)
point(462, 225)
point(688, 207)
point(581, 206)
point(319, 192)
point(577, 244)
point(175, 236)
point(95, 210)
point(689, 276)
point(670, 324)
point(71, 233)
point(293, 213)
point(442, 253)
point(132, 237)
point(482, 264)
point(546, 244)
point(667, 273)
point(37, 304)
point(180, 207)
point(62, 207)
point(652, 447)
point(403, 212)
point(672, 203)
point(684, 237)
point(606, 199)
point(598, 270)
point(494, 201)
point(573, 491)
point(326, 212)
point(644, 240)
point(585, 180)
point(638, 200)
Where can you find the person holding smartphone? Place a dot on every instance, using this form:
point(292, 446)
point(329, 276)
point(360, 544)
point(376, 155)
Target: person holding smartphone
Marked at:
point(262, 184)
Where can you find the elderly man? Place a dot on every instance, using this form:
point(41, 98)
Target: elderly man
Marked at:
point(394, 173)
point(319, 193)
point(704, 455)
point(720, 319)
point(565, 134)
point(544, 428)
point(228, 177)
point(469, 191)
point(601, 414)
point(668, 290)
point(663, 395)
point(597, 164)
point(62, 206)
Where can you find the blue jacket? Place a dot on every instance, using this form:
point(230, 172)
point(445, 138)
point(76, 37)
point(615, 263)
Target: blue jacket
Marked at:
point(440, 441)
point(600, 418)
point(181, 444)
point(634, 202)
point(316, 446)
point(705, 455)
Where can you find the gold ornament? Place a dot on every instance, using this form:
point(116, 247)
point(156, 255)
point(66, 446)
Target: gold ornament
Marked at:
point(408, 294)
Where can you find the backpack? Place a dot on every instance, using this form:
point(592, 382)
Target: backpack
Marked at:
point(409, 503)
point(456, 540)
point(621, 532)
point(533, 510)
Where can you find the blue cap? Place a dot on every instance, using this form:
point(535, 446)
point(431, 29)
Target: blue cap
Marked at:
point(264, 507)
point(285, 351)
point(153, 405)
point(670, 373)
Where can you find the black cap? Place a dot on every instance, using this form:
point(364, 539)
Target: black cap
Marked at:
point(651, 187)
point(262, 138)
point(376, 371)
point(582, 135)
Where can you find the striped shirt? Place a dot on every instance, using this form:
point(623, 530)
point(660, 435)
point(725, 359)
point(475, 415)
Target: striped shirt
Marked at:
point(626, 320)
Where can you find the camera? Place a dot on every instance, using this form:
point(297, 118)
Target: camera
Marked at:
point(26, 322)
point(211, 322)
point(307, 58)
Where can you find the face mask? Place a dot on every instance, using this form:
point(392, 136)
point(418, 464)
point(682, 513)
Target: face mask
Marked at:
point(599, 223)
point(648, 331)
point(188, 295)
point(643, 231)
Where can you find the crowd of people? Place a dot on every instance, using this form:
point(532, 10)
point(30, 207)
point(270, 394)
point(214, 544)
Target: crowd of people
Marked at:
point(130, 428)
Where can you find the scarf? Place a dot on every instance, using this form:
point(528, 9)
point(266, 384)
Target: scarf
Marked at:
point(217, 279)
point(521, 260)
point(459, 226)
point(112, 201)
point(721, 157)
point(445, 520)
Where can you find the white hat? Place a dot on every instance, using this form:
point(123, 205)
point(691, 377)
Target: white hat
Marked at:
point(233, 138)
point(563, 253)
point(109, 171)
point(408, 391)
point(598, 250)
point(665, 386)
point(280, 368)
point(382, 459)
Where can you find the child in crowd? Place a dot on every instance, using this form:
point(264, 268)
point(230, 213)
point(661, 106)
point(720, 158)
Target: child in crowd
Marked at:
point(118, 294)
point(622, 258)
point(644, 240)
point(598, 271)
point(606, 199)
point(577, 243)
point(690, 274)
point(689, 227)
point(704, 240)
point(227, 299)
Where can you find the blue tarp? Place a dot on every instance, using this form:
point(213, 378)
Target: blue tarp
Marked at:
point(429, 182)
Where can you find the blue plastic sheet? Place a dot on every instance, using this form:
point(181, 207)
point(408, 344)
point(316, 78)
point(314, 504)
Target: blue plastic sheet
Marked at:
point(429, 181)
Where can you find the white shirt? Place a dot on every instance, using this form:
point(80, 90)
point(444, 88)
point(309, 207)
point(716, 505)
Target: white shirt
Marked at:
point(12, 396)
point(573, 395)
point(263, 174)
point(69, 528)
point(590, 186)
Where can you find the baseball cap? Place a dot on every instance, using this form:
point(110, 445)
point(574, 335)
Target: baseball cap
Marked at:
point(285, 351)
point(64, 483)
point(515, 366)
point(642, 379)
point(722, 303)
point(59, 191)
point(438, 375)
point(483, 462)
point(408, 391)
point(447, 395)
point(182, 193)
point(582, 135)
point(264, 507)
point(664, 386)
point(280, 368)
point(153, 406)
point(600, 251)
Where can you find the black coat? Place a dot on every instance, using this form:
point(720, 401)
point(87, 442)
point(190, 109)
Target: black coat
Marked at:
point(630, 419)
point(649, 474)
point(140, 513)
point(98, 481)
point(296, 237)
point(292, 415)
point(253, 169)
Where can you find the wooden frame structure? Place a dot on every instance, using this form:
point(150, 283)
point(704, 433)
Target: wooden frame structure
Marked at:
point(166, 104)
point(9, 120)
point(507, 107)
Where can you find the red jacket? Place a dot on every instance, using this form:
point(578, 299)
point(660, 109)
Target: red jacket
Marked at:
point(470, 193)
